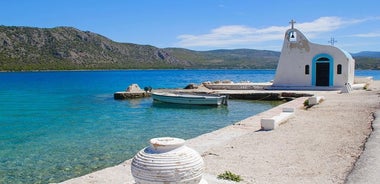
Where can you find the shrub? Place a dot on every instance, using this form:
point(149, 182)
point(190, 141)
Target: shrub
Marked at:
point(230, 176)
point(306, 103)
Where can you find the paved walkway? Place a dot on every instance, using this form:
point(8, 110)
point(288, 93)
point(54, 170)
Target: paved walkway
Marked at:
point(300, 151)
point(367, 168)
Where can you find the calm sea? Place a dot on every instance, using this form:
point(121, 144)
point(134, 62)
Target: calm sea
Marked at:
point(59, 125)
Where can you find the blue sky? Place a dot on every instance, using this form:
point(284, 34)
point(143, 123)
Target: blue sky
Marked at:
point(207, 24)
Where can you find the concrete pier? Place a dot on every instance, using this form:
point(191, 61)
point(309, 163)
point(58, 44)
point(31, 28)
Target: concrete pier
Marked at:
point(267, 95)
point(133, 91)
point(121, 95)
point(244, 91)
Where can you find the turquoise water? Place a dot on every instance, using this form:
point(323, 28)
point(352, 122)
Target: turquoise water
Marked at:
point(59, 125)
point(366, 73)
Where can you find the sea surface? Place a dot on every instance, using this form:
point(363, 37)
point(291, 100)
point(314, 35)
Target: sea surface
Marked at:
point(61, 124)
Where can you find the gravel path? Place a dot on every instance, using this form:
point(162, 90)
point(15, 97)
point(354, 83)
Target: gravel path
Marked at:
point(367, 169)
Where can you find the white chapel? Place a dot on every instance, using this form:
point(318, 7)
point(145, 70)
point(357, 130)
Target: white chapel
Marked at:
point(306, 65)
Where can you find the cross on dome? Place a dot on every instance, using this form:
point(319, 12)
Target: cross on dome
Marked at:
point(292, 22)
point(332, 41)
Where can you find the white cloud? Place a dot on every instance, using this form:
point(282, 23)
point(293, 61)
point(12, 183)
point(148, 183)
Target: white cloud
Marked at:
point(367, 35)
point(233, 35)
point(323, 24)
point(229, 35)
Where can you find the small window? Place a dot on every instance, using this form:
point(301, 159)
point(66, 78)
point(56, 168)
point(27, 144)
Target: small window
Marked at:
point(339, 69)
point(307, 69)
point(292, 36)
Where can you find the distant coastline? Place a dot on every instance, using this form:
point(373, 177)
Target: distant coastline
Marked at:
point(67, 48)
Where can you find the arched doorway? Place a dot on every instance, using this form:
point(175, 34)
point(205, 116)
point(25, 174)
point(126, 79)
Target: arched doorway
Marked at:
point(323, 70)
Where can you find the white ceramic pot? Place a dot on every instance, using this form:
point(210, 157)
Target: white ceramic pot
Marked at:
point(167, 161)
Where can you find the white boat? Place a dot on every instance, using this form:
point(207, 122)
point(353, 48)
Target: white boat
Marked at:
point(189, 99)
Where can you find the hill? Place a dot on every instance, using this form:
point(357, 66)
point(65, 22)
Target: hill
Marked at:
point(236, 59)
point(367, 60)
point(25, 48)
point(67, 48)
point(367, 54)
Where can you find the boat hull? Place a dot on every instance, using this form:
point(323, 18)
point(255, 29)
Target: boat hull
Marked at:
point(189, 99)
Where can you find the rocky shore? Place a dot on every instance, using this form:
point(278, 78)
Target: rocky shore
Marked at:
point(320, 144)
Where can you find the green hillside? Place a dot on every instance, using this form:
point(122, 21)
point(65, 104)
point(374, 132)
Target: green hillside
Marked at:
point(237, 58)
point(67, 48)
point(25, 48)
point(367, 63)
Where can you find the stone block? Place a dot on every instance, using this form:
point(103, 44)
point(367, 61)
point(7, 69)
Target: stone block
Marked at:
point(288, 109)
point(275, 121)
point(133, 88)
point(268, 123)
point(314, 100)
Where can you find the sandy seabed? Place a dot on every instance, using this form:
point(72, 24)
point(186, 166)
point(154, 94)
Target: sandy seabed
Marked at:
point(317, 145)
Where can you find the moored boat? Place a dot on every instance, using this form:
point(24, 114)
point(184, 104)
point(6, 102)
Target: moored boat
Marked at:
point(189, 99)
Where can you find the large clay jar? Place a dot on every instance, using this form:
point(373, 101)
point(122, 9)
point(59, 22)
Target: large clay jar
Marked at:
point(167, 161)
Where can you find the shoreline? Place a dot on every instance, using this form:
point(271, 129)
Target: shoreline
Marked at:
point(317, 145)
point(134, 69)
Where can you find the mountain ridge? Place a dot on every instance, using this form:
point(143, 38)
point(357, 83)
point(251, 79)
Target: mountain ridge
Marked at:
point(369, 54)
point(68, 48)
point(23, 48)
